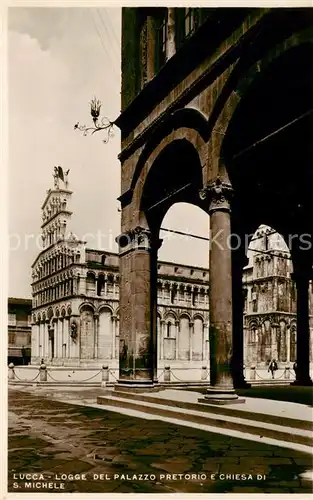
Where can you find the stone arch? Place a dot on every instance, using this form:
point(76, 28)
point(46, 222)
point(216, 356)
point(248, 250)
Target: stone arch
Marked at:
point(240, 78)
point(189, 123)
point(198, 315)
point(190, 158)
point(170, 314)
point(170, 321)
point(170, 337)
point(185, 314)
point(252, 341)
point(102, 307)
point(253, 323)
point(86, 305)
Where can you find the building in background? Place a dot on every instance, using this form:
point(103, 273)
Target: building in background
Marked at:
point(75, 316)
point(270, 302)
point(19, 331)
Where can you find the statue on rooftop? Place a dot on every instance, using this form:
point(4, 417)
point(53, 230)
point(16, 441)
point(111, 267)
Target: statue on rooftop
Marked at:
point(58, 175)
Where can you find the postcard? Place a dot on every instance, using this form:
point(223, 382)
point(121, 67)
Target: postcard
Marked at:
point(160, 297)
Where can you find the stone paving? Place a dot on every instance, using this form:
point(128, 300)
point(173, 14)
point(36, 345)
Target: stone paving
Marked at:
point(111, 452)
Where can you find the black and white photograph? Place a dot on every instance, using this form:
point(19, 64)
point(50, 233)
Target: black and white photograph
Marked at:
point(159, 326)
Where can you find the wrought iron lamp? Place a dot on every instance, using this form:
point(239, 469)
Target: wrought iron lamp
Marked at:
point(100, 123)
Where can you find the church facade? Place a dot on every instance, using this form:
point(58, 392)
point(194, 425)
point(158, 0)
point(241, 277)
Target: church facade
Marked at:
point(270, 302)
point(75, 313)
point(75, 316)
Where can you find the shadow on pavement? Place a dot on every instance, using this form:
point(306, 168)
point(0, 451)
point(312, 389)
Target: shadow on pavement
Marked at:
point(293, 394)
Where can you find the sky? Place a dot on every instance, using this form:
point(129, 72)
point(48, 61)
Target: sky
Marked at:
point(58, 59)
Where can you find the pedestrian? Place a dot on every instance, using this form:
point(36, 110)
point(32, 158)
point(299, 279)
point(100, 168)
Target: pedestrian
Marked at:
point(295, 369)
point(273, 367)
point(23, 355)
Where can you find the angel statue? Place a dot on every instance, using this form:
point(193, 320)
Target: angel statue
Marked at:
point(60, 174)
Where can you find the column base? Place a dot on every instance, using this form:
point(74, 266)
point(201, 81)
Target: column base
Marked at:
point(220, 396)
point(137, 385)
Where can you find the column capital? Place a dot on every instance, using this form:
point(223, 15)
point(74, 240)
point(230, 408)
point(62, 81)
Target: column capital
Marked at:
point(218, 195)
point(138, 238)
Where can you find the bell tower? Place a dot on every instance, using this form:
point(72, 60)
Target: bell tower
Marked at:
point(55, 213)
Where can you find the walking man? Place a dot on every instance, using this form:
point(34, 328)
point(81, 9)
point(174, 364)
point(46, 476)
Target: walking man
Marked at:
point(295, 369)
point(273, 367)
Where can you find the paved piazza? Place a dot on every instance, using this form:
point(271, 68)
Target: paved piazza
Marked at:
point(51, 441)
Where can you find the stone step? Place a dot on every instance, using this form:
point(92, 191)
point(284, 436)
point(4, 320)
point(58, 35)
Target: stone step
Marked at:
point(56, 384)
point(218, 410)
point(246, 426)
point(269, 382)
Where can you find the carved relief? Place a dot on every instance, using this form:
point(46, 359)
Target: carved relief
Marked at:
point(218, 195)
point(137, 238)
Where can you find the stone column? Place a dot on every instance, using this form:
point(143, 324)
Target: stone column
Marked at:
point(66, 337)
point(57, 341)
point(74, 285)
point(239, 260)
point(138, 271)
point(303, 330)
point(35, 340)
point(170, 46)
point(274, 354)
point(162, 334)
point(40, 337)
point(206, 352)
point(46, 340)
point(155, 244)
point(50, 340)
point(221, 332)
point(117, 339)
point(82, 285)
point(114, 329)
point(96, 335)
point(177, 339)
point(288, 343)
point(151, 39)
